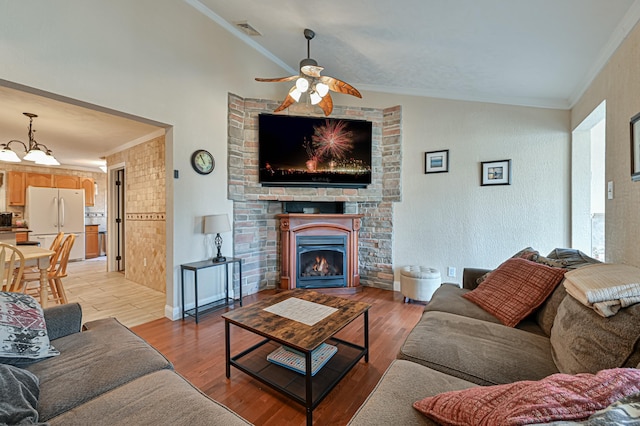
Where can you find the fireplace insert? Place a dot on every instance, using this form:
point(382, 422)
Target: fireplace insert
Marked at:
point(321, 261)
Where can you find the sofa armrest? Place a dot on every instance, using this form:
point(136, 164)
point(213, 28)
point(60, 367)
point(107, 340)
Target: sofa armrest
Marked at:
point(470, 275)
point(63, 320)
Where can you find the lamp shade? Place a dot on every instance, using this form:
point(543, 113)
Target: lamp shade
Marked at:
point(216, 223)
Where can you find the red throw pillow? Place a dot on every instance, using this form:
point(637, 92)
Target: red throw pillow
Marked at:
point(515, 289)
point(556, 397)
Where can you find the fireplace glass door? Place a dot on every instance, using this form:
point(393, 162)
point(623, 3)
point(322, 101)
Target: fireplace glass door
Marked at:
point(321, 261)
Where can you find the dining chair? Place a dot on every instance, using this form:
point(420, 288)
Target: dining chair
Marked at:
point(57, 270)
point(56, 245)
point(12, 269)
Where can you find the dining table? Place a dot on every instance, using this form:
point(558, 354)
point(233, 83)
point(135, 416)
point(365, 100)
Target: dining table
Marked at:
point(40, 257)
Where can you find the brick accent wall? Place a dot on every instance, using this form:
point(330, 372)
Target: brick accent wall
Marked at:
point(256, 236)
point(145, 216)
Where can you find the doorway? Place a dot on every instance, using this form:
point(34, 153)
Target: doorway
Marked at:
point(588, 187)
point(117, 190)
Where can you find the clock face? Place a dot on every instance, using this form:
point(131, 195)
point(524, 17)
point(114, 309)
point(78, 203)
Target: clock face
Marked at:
point(203, 162)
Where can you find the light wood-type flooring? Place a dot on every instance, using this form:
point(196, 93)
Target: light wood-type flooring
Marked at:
point(198, 354)
point(105, 294)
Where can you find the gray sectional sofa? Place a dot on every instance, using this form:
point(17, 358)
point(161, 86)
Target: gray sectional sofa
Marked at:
point(107, 375)
point(457, 345)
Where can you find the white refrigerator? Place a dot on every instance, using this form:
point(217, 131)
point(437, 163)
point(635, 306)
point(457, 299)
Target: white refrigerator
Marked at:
point(51, 210)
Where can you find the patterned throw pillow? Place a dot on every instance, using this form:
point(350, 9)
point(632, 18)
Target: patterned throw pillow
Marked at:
point(556, 397)
point(623, 412)
point(515, 289)
point(23, 332)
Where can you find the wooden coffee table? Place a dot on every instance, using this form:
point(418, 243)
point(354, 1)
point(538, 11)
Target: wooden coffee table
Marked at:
point(306, 389)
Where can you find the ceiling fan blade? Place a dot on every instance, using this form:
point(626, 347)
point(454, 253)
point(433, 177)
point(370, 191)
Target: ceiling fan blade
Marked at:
point(288, 101)
point(340, 86)
point(312, 70)
point(273, 80)
point(326, 104)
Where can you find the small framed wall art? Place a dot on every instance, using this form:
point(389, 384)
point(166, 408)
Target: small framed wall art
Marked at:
point(496, 172)
point(436, 161)
point(635, 148)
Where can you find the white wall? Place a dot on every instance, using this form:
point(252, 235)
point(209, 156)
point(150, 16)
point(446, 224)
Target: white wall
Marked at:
point(448, 219)
point(618, 84)
point(158, 59)
point(165, 61)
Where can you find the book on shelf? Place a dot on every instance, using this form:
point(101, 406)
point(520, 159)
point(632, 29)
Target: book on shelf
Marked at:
point(295, 360)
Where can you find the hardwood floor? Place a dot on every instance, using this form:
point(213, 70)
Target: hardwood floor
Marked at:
point(105, 294)
point(198, 354)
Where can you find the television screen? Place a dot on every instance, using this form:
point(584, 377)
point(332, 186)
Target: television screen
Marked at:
point(307, 151)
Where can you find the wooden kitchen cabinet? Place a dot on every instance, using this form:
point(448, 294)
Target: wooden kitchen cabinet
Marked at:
point(89, 191)
point(92, 248)
point(42, 180)
point(15, 188)
point(22, 237)
point(66, 181)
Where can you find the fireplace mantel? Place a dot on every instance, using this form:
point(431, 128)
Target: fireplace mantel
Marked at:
point(293, 226)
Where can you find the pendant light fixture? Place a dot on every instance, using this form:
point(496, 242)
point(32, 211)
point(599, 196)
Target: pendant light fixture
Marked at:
point(34, 151)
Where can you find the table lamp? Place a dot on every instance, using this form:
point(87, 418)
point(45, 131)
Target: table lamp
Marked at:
point(215, 224)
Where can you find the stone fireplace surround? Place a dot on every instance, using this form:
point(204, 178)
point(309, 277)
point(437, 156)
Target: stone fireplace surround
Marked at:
point(255, 227)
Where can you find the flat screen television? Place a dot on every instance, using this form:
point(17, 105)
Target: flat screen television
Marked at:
point(319, 152)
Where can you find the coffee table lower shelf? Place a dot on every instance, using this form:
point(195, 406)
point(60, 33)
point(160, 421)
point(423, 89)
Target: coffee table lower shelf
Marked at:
point(253, 362)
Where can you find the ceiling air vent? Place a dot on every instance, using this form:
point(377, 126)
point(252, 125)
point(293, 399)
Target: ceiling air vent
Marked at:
point(246, 28)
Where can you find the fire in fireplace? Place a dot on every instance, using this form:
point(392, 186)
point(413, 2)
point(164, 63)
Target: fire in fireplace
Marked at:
point(321, 261)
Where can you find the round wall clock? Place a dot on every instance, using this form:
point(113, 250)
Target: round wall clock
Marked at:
point(202, 162)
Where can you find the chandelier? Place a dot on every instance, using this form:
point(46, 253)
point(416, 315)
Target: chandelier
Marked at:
point(34, 151)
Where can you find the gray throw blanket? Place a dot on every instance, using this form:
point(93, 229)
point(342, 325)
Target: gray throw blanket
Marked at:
point(19, 392)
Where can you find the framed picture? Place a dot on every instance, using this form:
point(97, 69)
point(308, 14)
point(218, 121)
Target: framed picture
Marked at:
point(635, 148)
point(496, 172)
point(436, 161)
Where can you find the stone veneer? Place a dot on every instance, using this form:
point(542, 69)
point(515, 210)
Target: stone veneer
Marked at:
point(256, 236)
point(145, 215)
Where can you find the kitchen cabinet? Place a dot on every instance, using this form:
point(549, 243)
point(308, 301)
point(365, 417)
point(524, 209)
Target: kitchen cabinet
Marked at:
point(17, 183)
point(91, 246)
point(22, 237)
point(89, 191)
point(42, 180)
point(66, 181)
point(15, 188)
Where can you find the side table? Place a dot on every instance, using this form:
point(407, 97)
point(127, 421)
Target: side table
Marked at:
point(204, 264)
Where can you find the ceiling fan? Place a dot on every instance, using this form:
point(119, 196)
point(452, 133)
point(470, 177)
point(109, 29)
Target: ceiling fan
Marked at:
point(310, 81)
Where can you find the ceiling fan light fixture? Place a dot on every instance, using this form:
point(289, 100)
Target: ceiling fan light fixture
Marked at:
point(6, 154)
point(315, 98)
point(295, 94)
point(322, 89)
point(311, 81)
point(302, 84)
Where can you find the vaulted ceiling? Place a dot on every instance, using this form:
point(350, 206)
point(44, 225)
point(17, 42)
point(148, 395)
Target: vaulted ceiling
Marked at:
point(540, 53)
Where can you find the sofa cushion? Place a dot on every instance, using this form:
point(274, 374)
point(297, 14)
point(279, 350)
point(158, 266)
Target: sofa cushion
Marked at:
point(545, 315)
point(159, 398)
point(23, 332)
point(390, 403)
point(557, 397)
point(515, 289)
point(95, 361)
point(448, 298)
point(584, 342)
point(477, 351)
point(18, 396)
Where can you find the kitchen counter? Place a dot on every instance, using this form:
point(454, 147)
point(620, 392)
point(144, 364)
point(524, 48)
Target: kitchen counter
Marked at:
point(9, 229)
point(8, 234)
